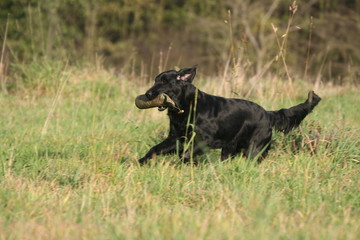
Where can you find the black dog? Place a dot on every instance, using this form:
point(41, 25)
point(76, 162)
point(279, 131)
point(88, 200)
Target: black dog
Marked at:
point(234, 125)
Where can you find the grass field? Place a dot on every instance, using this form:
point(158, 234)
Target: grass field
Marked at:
point(70, 140)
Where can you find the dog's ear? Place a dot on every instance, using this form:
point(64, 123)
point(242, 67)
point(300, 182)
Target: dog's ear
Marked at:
point(186, 74)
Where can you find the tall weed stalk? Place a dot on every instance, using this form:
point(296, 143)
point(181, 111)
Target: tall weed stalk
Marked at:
point(188, 147)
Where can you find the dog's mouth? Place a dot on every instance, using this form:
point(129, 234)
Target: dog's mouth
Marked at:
point(162, 102)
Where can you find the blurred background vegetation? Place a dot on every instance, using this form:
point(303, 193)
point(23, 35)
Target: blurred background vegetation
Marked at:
point(143, 37)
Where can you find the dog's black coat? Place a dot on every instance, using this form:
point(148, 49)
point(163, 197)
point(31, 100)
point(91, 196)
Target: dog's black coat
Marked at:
point(234, 125)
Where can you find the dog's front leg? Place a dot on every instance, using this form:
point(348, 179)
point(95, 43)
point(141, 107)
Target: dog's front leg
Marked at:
point(198, 149)
point(165, 147)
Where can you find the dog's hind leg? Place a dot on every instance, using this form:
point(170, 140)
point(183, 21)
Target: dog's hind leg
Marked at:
point(236, 145)
point(259, 144)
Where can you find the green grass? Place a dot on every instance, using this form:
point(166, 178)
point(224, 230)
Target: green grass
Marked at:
point(68, 169)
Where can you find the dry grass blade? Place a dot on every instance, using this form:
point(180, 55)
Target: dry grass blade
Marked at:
point(308, 48)
point(2, 65)
point(55, 102)
point(282, 46)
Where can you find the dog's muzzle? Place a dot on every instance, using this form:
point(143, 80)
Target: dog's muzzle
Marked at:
point(162, 101)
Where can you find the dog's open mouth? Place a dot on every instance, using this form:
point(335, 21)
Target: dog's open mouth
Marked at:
point(162, 102)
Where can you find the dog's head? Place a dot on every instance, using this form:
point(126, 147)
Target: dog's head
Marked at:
point(172, 83)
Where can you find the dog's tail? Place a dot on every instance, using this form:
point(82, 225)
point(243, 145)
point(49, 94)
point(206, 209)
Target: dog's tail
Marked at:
point(286, 119)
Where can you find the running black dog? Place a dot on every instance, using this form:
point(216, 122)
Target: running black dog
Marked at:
point(234, 125)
